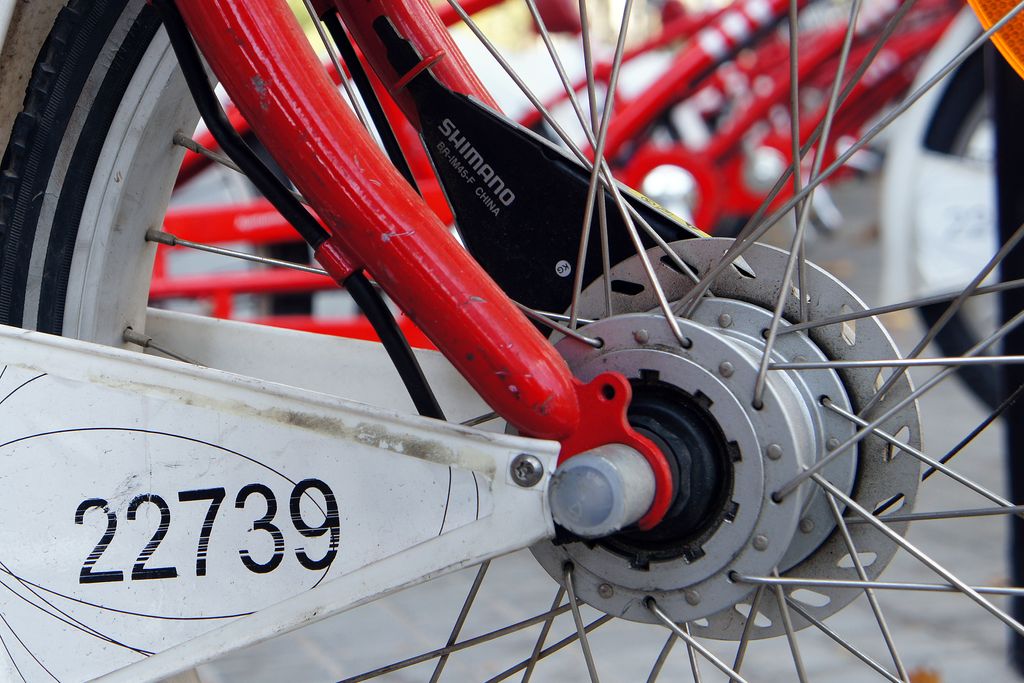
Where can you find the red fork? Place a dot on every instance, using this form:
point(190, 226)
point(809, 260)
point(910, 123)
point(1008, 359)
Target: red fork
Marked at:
point(258, 51)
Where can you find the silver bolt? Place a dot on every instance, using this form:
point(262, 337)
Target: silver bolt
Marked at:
point(760, 542)
point(692, 597)
point(724, 320)
point(832, 443)
point(725, 368)
point(641, 336)
point(807, 525)
point(606, 591)
point(774, 451)
point(526, 470)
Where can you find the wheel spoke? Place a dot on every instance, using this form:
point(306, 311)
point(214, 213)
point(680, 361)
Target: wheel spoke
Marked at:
point(343, 78)
point(787, 624)
point(182, 140)
point(624, 210)
point(684, 635)
point(480, 419)
point(567, 331)
point(947, 315)
point(899, 363)
point(817, 623)
point(754, 227)
point(992, 417)
point(581, 258)
point(982, 426)
point(145, 341)
point(544, 631)
point(561, 317)
point(659, 663)
point(920, 556)
point(602, 210)
point(847, 446)
point(957, 449)
point(876, 608)
point(588, 63)
point(680, 265)
point(891, 308)
point(628, 214)
point(556, 127)
point(606, 263)
point(910, 450)
point(691, 654)
point(757, 227)
point(942, 514)
point(875, 585)
point(652, 277)
point(161, 237)
point(474, 589)
point(794, 127)
point(748, 627)
point(568, 640)
point(471, 642)
point(602, 135)
point(581, 631)
point(563, 76)
point(796, 248)
point(547, 319)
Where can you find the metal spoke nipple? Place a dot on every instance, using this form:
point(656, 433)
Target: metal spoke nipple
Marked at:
point(132, 337)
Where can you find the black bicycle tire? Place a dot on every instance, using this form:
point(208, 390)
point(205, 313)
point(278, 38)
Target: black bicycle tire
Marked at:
point(67, 59)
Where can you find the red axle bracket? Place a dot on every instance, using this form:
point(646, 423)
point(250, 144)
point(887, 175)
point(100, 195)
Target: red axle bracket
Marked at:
point(603, 404)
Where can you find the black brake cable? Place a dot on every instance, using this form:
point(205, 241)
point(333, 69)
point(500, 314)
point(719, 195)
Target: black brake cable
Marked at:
point(365, 295)
point(365, 88)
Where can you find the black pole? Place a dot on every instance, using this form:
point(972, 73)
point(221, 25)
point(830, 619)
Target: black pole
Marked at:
point(1007, 105)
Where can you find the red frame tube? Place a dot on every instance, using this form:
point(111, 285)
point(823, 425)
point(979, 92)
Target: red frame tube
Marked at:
point(420, 24)
point(262, 58)
point(194, 163)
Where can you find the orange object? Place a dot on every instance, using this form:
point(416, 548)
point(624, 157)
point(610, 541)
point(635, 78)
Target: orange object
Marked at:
point(1010, 38)
point(923, 675)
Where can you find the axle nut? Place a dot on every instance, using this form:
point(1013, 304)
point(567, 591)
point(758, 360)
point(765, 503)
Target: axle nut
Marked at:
point(600, 491)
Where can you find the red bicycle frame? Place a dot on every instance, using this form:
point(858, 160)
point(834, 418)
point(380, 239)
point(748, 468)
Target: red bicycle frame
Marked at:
point(719, 166)
point(258, 51)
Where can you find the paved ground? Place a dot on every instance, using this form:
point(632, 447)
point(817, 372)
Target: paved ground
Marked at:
point(946, 635)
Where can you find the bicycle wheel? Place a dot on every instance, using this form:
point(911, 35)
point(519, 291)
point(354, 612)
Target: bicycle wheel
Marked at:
point(91, 166)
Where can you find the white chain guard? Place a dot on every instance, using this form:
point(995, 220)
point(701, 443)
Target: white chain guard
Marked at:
point(98, 442)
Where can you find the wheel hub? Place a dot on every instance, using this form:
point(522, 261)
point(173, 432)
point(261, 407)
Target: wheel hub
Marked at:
point(727, 456)
point(701, 462)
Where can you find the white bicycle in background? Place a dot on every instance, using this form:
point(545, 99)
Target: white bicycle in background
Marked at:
point(718, 446)
point(937, 211)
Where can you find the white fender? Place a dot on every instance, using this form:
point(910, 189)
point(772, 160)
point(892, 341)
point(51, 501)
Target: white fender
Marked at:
point(914, 257)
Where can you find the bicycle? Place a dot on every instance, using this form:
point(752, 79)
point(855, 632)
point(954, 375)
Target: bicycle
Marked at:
point(752, 418)
point(949, 137)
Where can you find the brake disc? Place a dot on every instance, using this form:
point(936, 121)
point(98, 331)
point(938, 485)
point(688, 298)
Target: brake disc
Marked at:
point(730, 457)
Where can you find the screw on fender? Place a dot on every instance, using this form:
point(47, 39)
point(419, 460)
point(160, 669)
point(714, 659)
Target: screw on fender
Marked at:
point(526, 470)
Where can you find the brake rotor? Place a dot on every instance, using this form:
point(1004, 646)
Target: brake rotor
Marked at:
point(696, 403)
